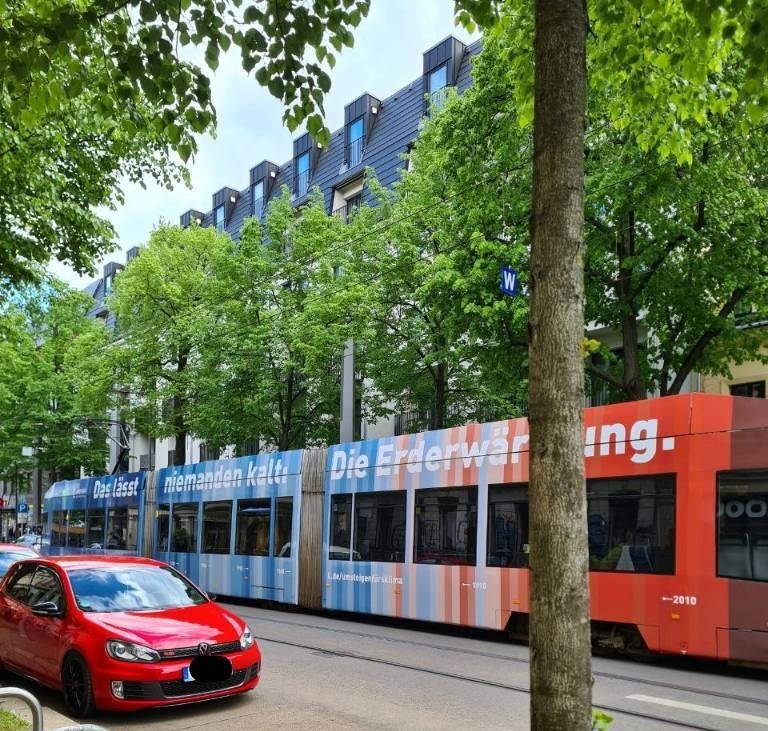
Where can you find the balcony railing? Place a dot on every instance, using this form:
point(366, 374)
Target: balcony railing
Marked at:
point(302, 184)
point(355, 152)
point(438, 98)
point(345, 211)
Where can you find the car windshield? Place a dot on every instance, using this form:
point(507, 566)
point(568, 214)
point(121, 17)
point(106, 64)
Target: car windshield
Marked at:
point(132, 588)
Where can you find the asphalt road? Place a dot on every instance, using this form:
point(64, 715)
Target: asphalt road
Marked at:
point(322, 672)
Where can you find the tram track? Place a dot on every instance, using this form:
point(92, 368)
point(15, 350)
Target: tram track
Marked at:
point(316, 649)
point(677, 687)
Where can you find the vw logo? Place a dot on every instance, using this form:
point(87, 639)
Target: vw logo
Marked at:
point(203, 649)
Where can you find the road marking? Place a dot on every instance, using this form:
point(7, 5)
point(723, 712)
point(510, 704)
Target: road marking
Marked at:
point(746, 717)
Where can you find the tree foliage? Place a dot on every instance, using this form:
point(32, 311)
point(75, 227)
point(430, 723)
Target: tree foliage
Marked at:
point(156, 300)
point(276, 321)
point(54, 388)
point(439, 340)
point(93, 92)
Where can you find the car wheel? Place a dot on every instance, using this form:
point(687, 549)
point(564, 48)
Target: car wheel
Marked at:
point(77, 686)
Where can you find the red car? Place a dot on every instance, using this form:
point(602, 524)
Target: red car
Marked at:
point(121, 633)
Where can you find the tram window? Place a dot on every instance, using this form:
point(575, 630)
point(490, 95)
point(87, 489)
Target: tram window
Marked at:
point(76, 528)
point(379, 527)
point(341, 524)
point(742, 525)
point(163, 521)
point(253, 518)
point(631, 524)
point(95, 536)
point(59, 528)
point(446, 526)
point(283, 527)
point(184, 524)
point(508, 526)
point(122, 528)
point(217, 526)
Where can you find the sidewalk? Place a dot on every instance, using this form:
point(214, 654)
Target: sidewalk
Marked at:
point(52, 719)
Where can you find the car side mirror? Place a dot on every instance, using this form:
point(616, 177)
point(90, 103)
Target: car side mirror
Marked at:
point(47, 609)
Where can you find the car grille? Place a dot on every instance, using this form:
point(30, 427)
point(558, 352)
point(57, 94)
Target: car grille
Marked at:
point(133, 690)
point(220, 649)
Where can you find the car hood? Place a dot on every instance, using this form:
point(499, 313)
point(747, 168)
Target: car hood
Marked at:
point(171, 628)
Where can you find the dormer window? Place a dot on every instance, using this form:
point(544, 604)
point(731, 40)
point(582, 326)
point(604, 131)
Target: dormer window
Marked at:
point(257, 197)
point(441, 70)
point(359, 120)
point(218, 218)
point(302, 174)
point(438, 83)
point(356, 140)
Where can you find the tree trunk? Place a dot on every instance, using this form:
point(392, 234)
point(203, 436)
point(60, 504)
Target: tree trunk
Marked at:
point(634, 387)
point(561, 675)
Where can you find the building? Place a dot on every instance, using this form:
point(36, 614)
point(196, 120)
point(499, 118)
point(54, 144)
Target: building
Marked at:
point(377, 134)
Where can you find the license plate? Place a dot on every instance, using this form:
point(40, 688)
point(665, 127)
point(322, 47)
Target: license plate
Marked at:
point(186, 676)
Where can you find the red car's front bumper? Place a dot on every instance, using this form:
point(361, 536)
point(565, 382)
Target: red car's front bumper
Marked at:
point(147, 685)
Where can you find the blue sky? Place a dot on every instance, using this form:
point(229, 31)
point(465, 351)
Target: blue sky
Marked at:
point(387, 55)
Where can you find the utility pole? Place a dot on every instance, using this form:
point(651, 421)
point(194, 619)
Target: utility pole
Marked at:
point(347, 430)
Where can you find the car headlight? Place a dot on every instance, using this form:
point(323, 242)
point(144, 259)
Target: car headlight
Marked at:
point(131, 652)
point(246, 639)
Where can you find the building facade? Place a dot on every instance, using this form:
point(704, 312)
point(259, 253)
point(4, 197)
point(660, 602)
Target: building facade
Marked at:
point(378, 134)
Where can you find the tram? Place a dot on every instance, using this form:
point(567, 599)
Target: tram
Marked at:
point(434, 526)
point(95, 515)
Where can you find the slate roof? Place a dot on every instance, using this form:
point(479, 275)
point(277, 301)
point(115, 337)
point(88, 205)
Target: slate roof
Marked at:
point(396, 127)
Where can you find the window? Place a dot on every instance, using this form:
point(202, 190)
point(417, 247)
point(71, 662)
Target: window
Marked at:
point(438, 81)
point(379, 527)
point(95, 536)
point(45, 587)
point(446, 526)
point(162, 523)
point(283, 526)
point(217, 526)
point(184, 522)
point(353, 204)
point(122, 528)
point(76, 528)
point(208, 453)
point(250, 446)
point(107, 284)
point(59, 528)
point(257, 197)
point(302, 175)
point(218, 219)
point(253, 517)
point(742, 525)
point(508, 526)
point(356, 141)
point(18, 586)
point(756, 389)
point(341, 527)
point(631, 524)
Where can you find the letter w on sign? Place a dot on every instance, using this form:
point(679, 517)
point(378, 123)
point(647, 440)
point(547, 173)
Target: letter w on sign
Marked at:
point(508, 280)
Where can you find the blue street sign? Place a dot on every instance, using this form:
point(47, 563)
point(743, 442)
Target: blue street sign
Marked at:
point(23, 508)
point(508, 280)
